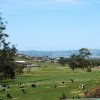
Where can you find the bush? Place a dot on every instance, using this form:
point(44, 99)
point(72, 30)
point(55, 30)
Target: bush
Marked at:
point(89, 69)
point(63, 97)
point(94, 93)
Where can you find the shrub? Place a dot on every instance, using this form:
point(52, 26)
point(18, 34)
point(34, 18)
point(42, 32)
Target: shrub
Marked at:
point(89, 69)
point(63, 97)
point(94, 93)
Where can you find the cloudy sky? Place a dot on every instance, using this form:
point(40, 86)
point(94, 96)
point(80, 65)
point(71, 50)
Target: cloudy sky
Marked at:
point(52, 24)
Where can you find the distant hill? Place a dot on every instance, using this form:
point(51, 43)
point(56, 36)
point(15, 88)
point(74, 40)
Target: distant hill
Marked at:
point(53, 54)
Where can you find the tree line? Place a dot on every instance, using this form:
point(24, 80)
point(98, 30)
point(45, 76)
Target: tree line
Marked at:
point(80, 60)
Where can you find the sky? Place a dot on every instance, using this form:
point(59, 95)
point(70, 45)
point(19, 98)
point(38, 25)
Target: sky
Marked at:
point(52, 25)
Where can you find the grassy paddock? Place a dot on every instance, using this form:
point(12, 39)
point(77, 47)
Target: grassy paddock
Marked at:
point(45, 77)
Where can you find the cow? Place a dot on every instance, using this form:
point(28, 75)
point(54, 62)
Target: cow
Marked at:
point(81, 86)
point(33, 85)
point(23, 91)
point(71, 80)
point(3, 90)
point(8, 95)
point(62, 82)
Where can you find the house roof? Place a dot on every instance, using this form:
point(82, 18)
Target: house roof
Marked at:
point(20, 61)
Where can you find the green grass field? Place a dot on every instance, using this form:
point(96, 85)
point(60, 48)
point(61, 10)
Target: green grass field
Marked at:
point(45, 78)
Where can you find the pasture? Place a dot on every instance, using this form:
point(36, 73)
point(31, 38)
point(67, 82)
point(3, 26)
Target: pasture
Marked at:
point(51, 80)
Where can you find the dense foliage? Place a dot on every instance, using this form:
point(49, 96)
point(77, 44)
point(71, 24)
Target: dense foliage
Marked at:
point(7, 53)
point(93, 93)
point(80, 60)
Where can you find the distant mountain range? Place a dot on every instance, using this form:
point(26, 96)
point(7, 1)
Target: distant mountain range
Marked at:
point(53, 54)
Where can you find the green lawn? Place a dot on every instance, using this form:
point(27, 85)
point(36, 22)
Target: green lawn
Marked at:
point(46, 77)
